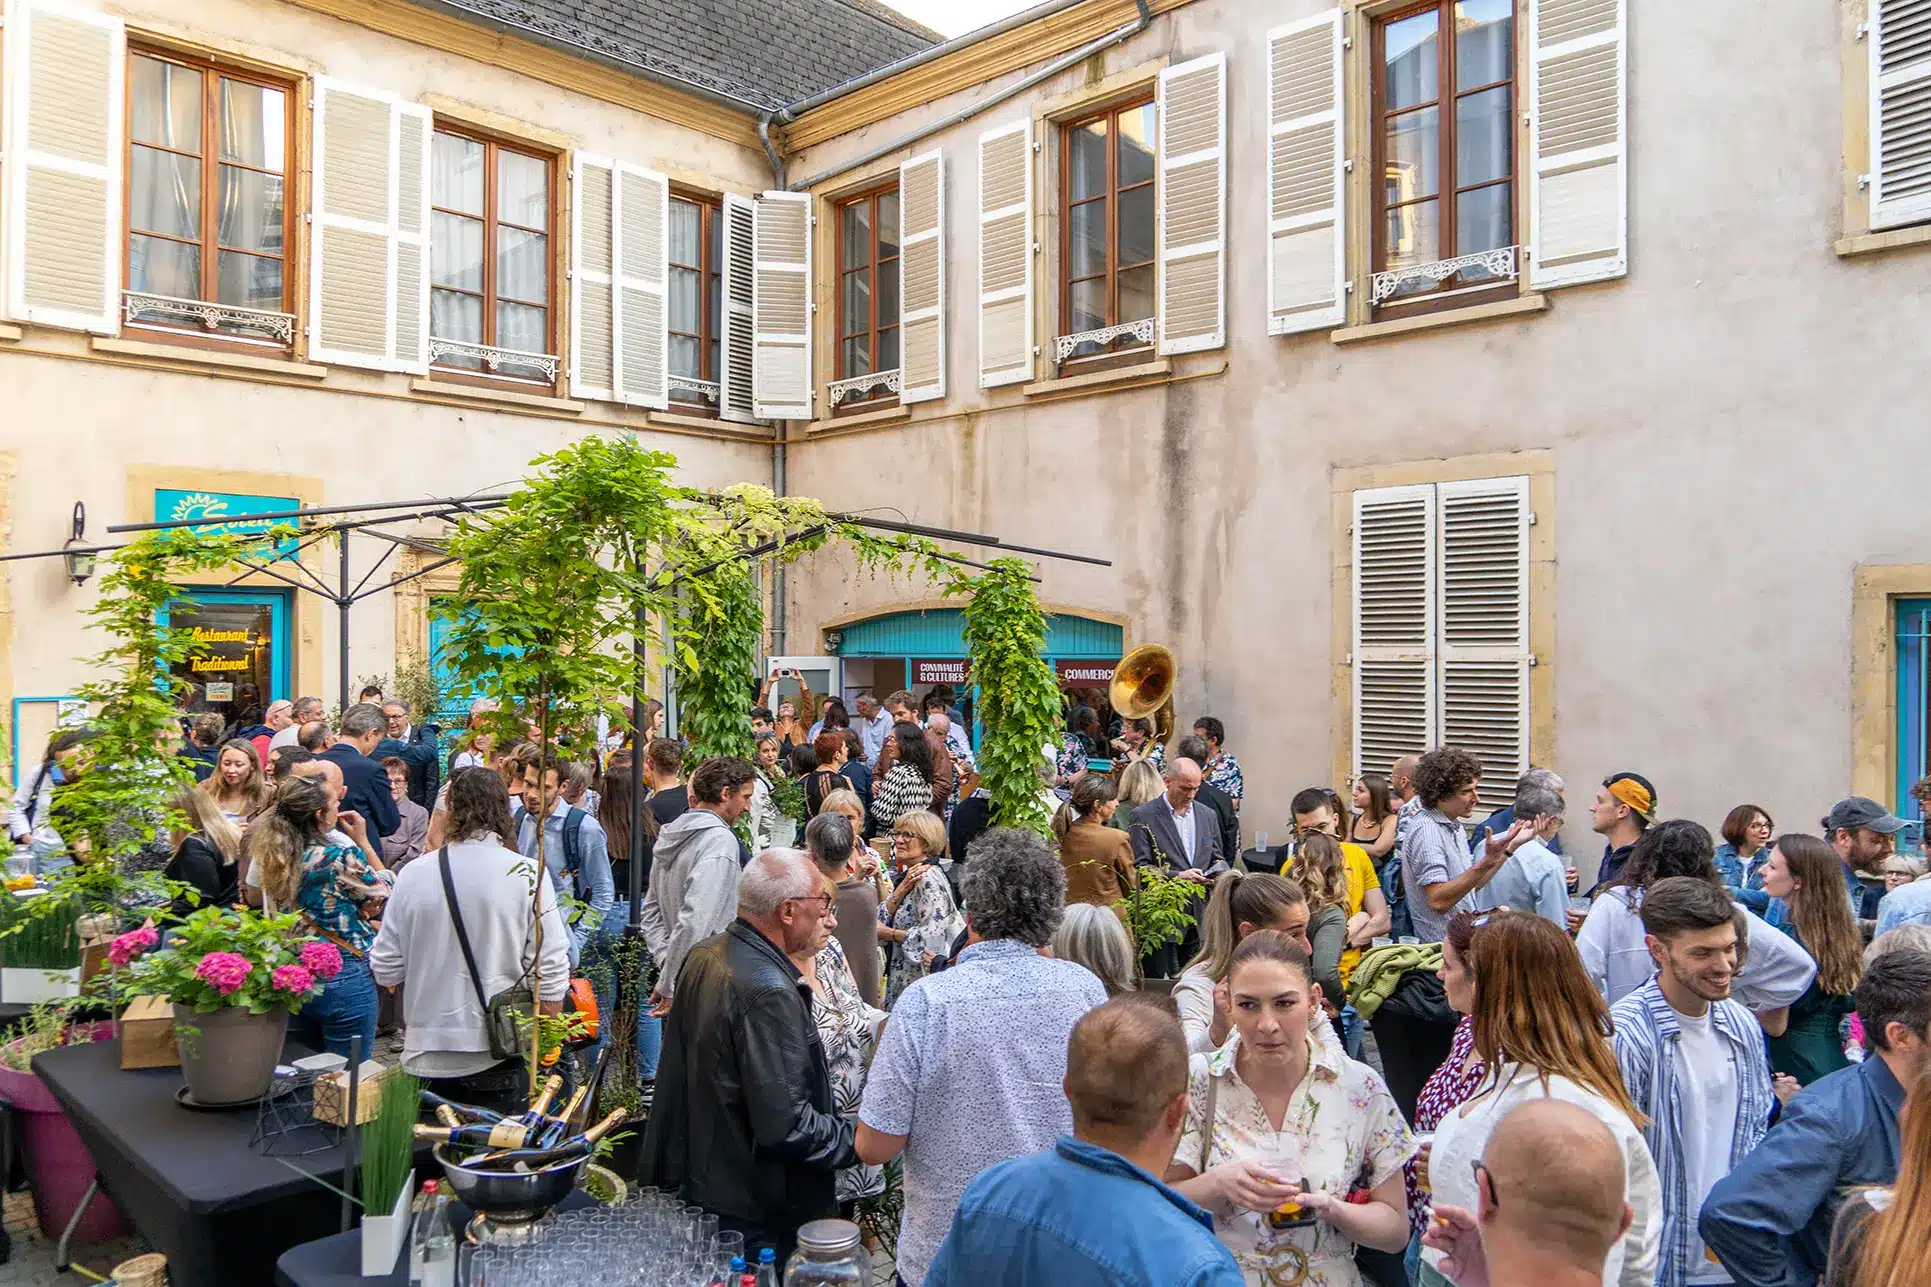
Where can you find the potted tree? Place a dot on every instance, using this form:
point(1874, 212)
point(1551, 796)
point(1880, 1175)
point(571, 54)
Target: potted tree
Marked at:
point(58, 1163)
point(234, 977)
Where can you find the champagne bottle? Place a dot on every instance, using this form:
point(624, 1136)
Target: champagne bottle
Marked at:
point(511, 1135)
point(576, 1102)
point(541, 1103)
point(465, 1112)
point(536, 1159)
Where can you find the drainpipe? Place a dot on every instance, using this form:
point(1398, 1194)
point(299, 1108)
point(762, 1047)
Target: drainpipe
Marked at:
point(983, 105)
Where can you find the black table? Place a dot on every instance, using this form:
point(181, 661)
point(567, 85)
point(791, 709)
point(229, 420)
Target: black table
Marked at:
point(1269, 859)
point(336, 1261)
point(187, 1179)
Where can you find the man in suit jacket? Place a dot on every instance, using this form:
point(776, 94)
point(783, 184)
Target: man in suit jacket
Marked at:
point(367, 782)
point(1195, 748)
point(1185, 832)
point(415, 746)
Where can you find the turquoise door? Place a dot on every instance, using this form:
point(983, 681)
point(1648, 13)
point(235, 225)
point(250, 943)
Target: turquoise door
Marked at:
point(453, 709)
point(1913, 650)
point(243, 658)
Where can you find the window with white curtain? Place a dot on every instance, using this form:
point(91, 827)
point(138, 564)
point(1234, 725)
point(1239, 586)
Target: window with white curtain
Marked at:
point(491, 223)
point(696, 289)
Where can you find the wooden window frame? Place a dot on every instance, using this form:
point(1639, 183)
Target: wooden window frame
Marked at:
point(492, 145)
point(711, 324)
point(1110, 112)
point(1448, 191)
point(877, 396)
point(213, 71)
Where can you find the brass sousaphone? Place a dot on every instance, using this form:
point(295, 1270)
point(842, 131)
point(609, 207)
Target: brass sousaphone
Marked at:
point(1143, 686)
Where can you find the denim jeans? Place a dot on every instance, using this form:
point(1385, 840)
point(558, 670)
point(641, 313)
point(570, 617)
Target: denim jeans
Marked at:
point(650, 1032)
point(345, 1009)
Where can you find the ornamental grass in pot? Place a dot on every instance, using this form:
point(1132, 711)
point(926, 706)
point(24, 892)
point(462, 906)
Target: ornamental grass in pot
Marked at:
point(234, 977)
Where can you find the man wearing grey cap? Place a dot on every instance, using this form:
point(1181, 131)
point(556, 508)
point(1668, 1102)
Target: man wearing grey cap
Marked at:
point(1864, 833)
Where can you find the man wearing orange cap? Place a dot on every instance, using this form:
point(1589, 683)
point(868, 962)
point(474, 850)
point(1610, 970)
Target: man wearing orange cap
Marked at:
point(1625, 808)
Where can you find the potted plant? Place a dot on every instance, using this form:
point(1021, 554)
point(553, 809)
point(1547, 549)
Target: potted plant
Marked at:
point(234, 977)
point(1159, 913)
point(388, 1172)
point(58, 1163)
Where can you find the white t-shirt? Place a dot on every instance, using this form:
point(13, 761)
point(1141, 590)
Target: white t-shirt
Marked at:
point(290, 736)
point(1706, 1088)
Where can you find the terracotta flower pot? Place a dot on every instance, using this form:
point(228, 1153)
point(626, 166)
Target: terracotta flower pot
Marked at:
point(228, 1056)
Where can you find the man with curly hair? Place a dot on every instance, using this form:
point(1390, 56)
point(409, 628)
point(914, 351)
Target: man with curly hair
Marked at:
point(969, 1071)
point(1437, 867)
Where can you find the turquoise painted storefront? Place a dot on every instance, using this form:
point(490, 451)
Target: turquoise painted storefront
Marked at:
point(940, 632)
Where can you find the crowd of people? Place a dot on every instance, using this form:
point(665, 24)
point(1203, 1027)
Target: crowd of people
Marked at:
point(1400, 1047)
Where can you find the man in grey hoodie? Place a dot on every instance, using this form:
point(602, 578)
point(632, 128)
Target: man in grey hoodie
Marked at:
point(694, 872)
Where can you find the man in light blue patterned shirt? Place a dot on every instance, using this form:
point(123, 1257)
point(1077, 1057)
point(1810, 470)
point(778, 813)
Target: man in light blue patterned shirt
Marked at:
point(970, 1069)
point(1693, 1060)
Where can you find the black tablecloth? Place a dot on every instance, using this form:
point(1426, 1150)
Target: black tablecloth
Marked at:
point(336, 1261)
point(187, 1179)
point(1265, 859)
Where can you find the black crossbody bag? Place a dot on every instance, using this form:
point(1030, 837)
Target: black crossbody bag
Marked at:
point(508, 1014)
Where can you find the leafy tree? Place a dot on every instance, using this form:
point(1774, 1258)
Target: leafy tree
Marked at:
point(1019, 701)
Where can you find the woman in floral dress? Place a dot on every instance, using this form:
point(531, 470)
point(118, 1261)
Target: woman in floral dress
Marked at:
point(920, 916)
point(1280, 1121)
point(848, 1029)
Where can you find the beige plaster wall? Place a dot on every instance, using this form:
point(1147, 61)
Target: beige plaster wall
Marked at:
point(1735, 426)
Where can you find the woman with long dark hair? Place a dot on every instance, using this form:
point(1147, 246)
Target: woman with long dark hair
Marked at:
point(1806, 879)
point(1373, 827)
point(1543, 1032)
point(339, 891)
point(1775, 970)
point(908, 787)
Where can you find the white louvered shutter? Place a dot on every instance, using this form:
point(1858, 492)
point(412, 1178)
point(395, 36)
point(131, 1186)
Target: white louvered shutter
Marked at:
point(781, 306)
point(1006, 255)
point(1579, 142)
point(66, 142)
point(1484, 626)
point(735, 379)
point(1900, 163)
point(921, 276)
point(1306, 177)
point(1190, 205)
point(414, 128)
point(641, 217)
point(593, 359)
point(1394, 625)
point(362, 241)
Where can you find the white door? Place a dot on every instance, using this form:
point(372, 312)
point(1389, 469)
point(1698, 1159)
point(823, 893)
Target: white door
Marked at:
point(824, 676)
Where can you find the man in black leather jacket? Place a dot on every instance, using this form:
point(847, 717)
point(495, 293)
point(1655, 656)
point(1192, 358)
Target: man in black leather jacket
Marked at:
point(743, 1124)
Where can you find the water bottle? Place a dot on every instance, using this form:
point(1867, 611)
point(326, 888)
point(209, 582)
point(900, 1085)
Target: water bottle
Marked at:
point(767, 1267)
point(418, 1226)
point(438, 1246)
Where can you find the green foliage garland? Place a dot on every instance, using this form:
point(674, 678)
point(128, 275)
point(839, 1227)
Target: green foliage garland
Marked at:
point(1019, 701)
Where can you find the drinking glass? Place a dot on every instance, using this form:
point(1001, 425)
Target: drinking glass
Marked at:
point(727, 1244)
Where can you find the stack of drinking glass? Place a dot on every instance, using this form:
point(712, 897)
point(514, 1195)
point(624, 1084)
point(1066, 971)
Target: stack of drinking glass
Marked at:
point(650, 1239)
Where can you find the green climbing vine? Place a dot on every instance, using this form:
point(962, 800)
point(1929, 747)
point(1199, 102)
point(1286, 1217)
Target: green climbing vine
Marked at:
point(1019, 702)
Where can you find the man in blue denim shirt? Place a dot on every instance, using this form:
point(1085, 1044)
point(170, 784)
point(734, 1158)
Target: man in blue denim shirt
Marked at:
point(1091, 1211)
point(1769, 1221)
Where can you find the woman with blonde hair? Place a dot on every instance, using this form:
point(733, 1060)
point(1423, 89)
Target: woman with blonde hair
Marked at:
point(1098, 859)
point(236, 786)
point(866, 861)
point(1542, 1031)
point(1320, 868)
point(1139, 782)
point(1883, 1236)
point(206, 853)
point(1241, 903)
point(1094, 937)
point(920, 916)
point(1805, 878)
point(339, 892)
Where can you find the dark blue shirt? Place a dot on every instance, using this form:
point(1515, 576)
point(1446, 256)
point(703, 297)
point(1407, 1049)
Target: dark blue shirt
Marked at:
point(368, 789)
point(1079, 1215)
point(1769, 1220)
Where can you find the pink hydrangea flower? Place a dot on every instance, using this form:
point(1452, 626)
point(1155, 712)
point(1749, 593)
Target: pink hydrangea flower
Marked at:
point(323, 960)
point(131, 944)
point(292, 978)
point(223, 971)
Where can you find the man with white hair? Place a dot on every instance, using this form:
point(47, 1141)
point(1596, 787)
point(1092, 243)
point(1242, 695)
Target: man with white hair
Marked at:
point(744, 1124)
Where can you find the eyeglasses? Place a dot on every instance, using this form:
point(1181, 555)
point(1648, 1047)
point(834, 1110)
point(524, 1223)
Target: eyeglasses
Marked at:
point(824, 902)
point(1485, 1178)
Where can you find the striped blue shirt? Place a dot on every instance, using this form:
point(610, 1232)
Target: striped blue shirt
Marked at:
point(1646, 1035)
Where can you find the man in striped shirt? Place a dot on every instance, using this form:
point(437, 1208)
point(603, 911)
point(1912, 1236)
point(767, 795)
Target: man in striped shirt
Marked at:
point(1693, 1060)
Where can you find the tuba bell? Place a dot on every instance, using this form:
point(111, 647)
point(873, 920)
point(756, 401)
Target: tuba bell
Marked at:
point(1143, 686)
